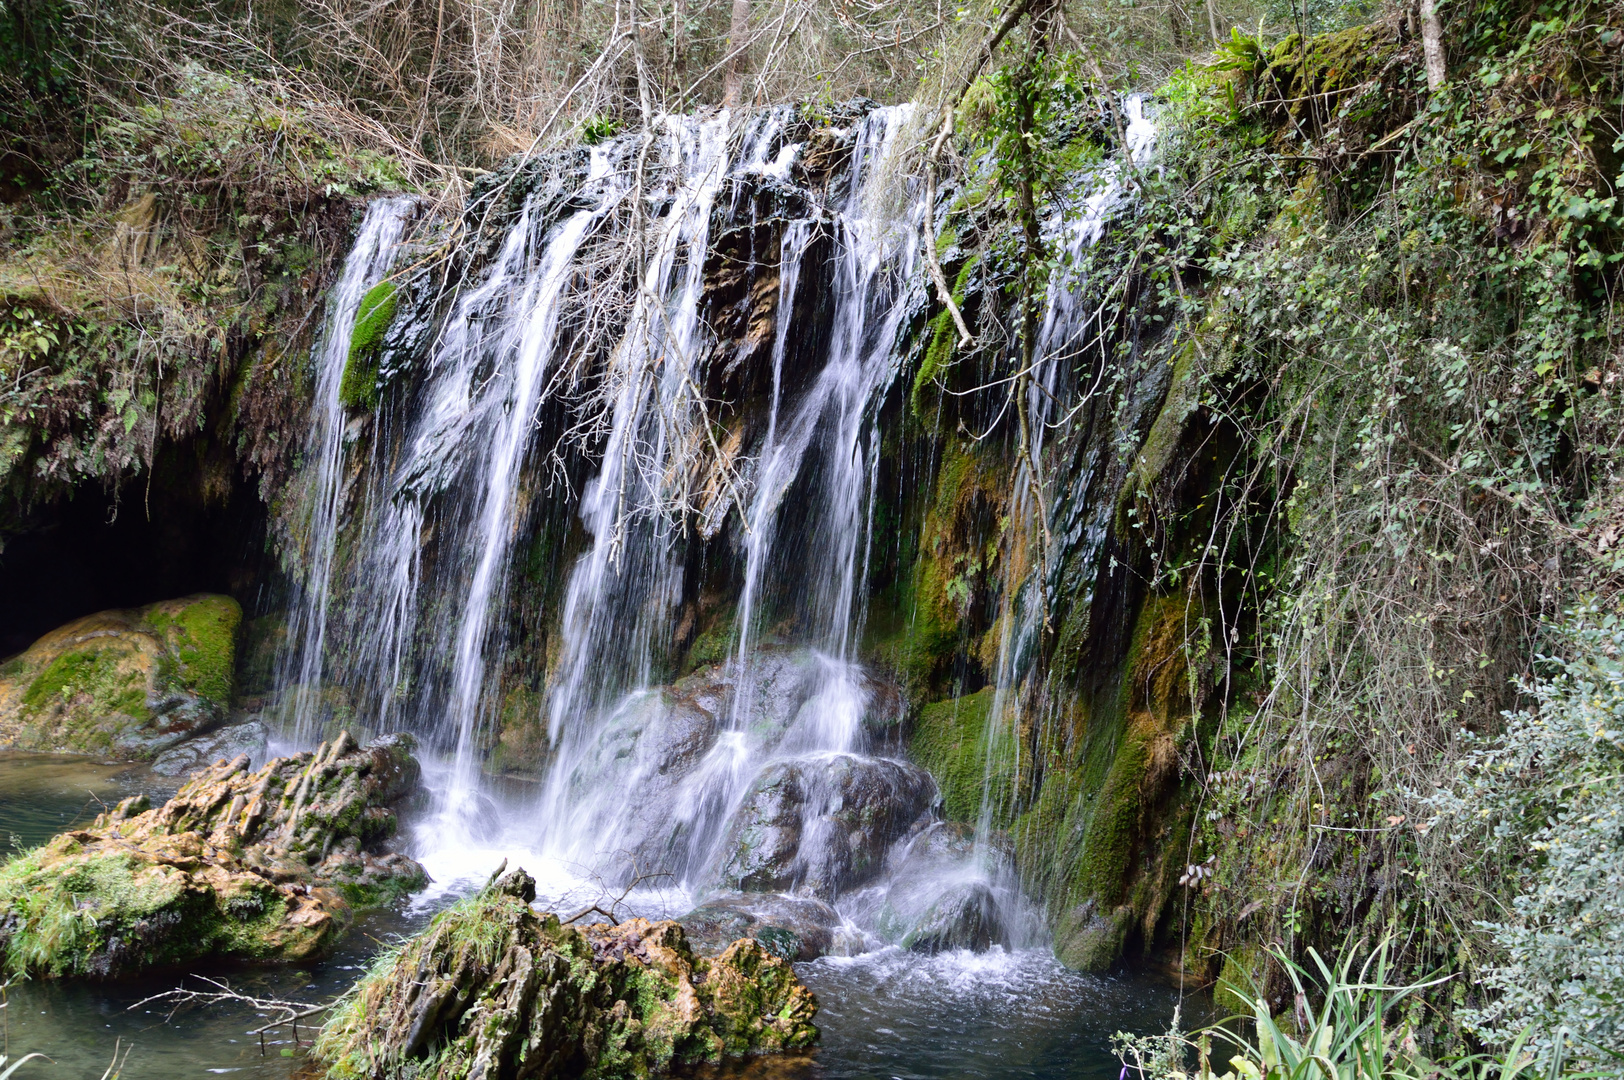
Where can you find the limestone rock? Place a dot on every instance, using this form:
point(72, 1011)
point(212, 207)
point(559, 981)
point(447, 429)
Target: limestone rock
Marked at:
point(249, 737)
point(821, 824)
point(493, 989)
point(128, 683)
point(791, 927)
point(261, 865)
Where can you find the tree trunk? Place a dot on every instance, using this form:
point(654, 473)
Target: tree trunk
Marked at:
point(738, 47)
point(1432, 45)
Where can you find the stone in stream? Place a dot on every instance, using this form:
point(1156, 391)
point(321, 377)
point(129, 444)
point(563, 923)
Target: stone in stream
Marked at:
point(494, 989)
point(943, 894)
point(792, 927)
point(261, 865)
point(250, 737)
point(821, 824)
point(126, 684)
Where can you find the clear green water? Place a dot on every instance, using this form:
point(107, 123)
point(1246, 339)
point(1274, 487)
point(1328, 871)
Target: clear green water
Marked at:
point(887, 1014)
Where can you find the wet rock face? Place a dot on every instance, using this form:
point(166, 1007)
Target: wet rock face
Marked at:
point(821, 824)
point(128, 683)
point(493, 989)
point(262, 865)
point(250, 737)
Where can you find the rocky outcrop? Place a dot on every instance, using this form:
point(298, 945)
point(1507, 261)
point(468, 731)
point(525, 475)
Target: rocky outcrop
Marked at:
point(821, 824)
point(127, 683)
point(493, 989)
point(262, 865)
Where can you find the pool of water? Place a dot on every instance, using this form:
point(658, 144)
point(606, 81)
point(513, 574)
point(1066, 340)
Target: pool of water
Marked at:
point(887, 1014)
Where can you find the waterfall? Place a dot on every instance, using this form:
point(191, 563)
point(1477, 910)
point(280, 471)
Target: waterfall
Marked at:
point(603, 699)
point(571, 361)
point(1065, 332)
point(302, 667)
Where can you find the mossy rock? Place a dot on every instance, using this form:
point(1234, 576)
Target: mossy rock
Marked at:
point(950, 741)
point(358, 388)
point(240, 864)
point(492, 988)
point(126, 683)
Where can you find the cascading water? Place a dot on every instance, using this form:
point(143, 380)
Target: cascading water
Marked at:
point(302, 668)
point(1065, 333)
point(751, 777)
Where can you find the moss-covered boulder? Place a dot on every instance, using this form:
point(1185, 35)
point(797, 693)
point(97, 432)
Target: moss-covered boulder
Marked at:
point(494, 989)
point(128, 683)
point(264, 865)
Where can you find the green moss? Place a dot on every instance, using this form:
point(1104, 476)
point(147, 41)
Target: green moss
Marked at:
point(202, 638)
point(944, 341)
point(714, 644)
point(95, 672)
point(954, 741)
point(69, 914)
point(1108, 846)
point(358, 389)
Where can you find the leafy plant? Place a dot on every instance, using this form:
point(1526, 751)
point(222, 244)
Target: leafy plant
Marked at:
point(1336, 1029)
point(1545, 801)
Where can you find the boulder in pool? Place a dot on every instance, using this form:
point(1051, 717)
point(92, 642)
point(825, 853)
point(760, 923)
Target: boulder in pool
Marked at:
point(821, 824)
point(240, 864)
point(494, 989)
point(792, 927)
point(127, 683)
point(944, 893)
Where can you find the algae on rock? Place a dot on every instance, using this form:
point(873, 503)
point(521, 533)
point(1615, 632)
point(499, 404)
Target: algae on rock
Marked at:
point(262, 865)
point(492, 988)
point(128, 683)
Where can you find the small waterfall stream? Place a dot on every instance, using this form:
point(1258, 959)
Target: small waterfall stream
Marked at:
point(304, 664)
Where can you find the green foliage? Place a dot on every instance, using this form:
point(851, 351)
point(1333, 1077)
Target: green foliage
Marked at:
point(600, 128)
point(358, 388)
point(1407, 330)
point(1338, 1029)
point(1543, 804)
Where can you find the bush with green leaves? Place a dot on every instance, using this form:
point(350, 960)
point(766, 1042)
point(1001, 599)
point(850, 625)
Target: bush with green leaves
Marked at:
point(1344, 1023)
point(1544, 803)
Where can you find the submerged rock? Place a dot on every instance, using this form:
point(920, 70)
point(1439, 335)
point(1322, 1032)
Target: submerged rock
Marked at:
point(822, 823)
point(792, 927)
point(254, 865)
point(128, 683)
point(493, 989)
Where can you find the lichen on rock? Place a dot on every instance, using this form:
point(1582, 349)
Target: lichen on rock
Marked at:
point(127, 683)
point(263, 865)
point(492, 988)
